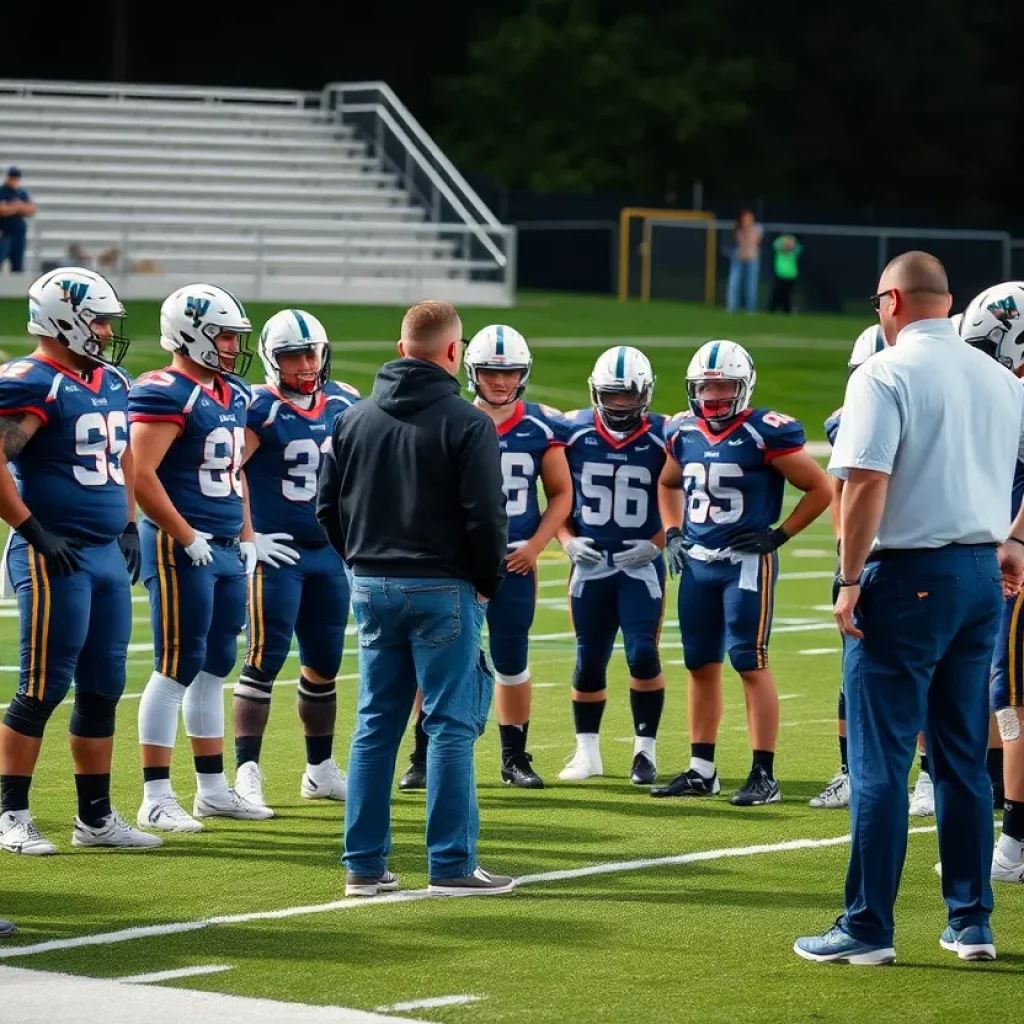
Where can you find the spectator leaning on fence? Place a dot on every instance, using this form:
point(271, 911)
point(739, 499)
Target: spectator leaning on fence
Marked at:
point(15, 206)
point(744, 263)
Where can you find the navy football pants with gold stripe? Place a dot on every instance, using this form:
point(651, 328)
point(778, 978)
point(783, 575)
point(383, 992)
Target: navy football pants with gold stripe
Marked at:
point(716, 616)
point(73, 627)
point(1007, 690)
point(197, 611)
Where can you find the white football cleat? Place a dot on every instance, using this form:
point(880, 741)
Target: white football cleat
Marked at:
point(114, 832)
point(922, 801)
point(582, 765)
point(1008, 861)
point(835, 795)
point(228, 804)
point(165, 814)
point(18, 834)
point(326, 782)
point(249, 783)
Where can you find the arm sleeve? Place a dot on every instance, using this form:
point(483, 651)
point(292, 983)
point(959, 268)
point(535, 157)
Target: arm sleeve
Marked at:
point(872, 425)
point(150, 400)
point(328, 512)
point(482, 498)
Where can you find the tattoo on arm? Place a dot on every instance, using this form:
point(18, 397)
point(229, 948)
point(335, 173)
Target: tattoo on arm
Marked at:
point(12, 437)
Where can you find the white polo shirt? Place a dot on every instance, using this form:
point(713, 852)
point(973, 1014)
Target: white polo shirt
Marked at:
point(946, 423)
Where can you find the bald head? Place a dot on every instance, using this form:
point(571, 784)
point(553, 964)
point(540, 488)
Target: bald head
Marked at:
point(912, 287)
point(432, 331)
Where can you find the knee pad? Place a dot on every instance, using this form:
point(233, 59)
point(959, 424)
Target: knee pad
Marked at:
point(643, 659)
point(515, 680)
point(589, 678)
point(841, 708)
point(158, 711)
point(93, 716)
point(254, 685)
point(203, 707)
point(27, 716)
point(318, 692)
point(1008, 722)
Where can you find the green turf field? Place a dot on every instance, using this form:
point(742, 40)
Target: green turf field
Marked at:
point(630, 909)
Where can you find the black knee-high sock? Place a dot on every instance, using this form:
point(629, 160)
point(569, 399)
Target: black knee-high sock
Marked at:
point(14, 792)
point(994, 764)
point(513, 739)
point(419, 753)
point(587, 715)
point(1013, 819)
point(647, 706)
point(251, 714)
point(924, 764)
point(93, 798)
point(318, 710)
point(844, 760)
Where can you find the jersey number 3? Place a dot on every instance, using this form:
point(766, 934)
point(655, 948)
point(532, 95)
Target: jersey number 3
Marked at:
point(102, 439)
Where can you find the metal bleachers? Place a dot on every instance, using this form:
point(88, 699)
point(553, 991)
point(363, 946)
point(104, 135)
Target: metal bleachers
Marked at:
point(336, 195)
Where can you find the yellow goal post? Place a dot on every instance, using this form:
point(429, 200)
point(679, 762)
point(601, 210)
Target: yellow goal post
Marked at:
point(647, 217)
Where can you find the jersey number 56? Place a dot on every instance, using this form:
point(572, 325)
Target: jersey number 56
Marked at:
point(615, 493)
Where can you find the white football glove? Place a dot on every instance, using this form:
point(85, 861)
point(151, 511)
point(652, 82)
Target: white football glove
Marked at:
point(515, 545)
point(636, 553)
point(270, 550)
point(247, 553)
point(581, 551)
point(199, 551)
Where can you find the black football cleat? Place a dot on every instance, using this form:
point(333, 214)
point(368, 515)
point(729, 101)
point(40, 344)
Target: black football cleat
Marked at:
point(690, 783)
point(415, 777)
point(759, 789)
point(517, 772)
point(643, 772)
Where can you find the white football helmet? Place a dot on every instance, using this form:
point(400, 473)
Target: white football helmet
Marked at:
point(63, 304)
point(622, 371)
point(294, 330)
point(869, 341)
point(193, 317)
point(720, 360)
point(956, 319)
point(498, 348)
point(994, 323)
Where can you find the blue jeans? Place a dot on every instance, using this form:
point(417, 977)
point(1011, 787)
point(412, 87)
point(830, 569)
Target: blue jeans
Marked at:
point(425, 633)
point(742, 277)
point(12, 247)
point(929, 619)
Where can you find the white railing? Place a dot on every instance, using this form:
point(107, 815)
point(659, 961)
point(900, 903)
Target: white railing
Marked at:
point(401, 145)
point(120, 93)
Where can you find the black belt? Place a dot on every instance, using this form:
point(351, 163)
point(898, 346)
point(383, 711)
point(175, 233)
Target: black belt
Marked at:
point(306, 545)
point(892, 554)
point(223, 542)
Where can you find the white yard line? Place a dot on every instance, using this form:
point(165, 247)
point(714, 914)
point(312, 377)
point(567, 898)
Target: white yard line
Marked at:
point(414, 895)
point(822, 650)
point(180, 972)
point(429, 1004)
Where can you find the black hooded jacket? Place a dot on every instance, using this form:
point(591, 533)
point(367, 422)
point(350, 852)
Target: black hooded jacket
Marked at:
point(412, 485)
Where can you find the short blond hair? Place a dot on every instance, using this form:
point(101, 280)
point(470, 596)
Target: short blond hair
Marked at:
point(426, 322)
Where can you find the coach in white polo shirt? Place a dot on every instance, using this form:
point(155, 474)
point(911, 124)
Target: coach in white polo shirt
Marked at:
point(929, 439)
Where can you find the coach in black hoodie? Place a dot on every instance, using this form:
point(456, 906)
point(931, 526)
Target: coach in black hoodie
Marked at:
point(411, 497)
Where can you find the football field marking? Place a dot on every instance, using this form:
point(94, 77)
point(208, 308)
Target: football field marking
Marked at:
point(414, 895)
point(180, 972)
point(429, 1004)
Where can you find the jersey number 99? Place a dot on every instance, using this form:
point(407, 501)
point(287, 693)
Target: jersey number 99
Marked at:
point(220, 474)
point(103, 439)
point(619, 493)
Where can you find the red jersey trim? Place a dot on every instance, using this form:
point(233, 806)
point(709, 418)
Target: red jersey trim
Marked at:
point(614, 441)
point(513, 420)
point(33, 409)
point(93, 385)
point(729, 430)
point(775, 453)
point(141, 417)
point(220, 392)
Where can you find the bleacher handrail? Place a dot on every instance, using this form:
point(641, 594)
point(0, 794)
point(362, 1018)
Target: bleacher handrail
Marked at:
point(125, 91)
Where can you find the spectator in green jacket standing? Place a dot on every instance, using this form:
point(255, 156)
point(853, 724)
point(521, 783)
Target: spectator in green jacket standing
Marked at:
point(787, 252)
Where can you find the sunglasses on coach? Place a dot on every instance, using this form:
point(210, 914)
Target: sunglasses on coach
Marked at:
point(876, 299)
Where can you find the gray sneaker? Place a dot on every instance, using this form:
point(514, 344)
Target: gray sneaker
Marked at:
point(480, 883)
point(7, 929)
point(362, 885)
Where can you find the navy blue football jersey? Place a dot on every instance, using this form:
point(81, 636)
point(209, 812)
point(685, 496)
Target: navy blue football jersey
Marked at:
point(201, 471)
point(282, 472)
point(69, 474)
point(832, 426)
point(524, 439)
point(731, 486)
point(615, 481)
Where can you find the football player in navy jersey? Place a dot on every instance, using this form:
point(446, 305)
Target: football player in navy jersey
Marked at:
point(721, 495)
point(994, 323)
point(614, 538)
point(300, 586)
point(188, 435)
point(66, 482)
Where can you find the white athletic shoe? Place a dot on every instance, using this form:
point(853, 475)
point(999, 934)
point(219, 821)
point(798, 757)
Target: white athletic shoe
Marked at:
point(1008, 861)
point(18, 834)
point(835, 795)
point(228, 804)
point(249, 783)
point(165, 814)
point(922, 800)
point(582, 765)
point(326, 782)
point(115, 832)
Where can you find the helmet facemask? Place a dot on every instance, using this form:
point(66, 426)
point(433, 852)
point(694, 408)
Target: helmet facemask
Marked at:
point(301, 383)
point(215, 358)
point(711, 398)
point(479, 387)
point(622, 409)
